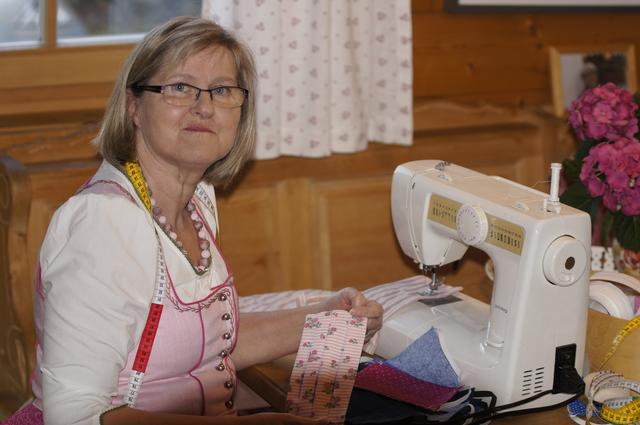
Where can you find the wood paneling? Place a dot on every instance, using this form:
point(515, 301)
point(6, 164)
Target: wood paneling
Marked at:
point(490, 57)
point(502, 58)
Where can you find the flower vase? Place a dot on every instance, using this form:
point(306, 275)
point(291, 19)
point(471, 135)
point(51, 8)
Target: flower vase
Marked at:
point(626, 260)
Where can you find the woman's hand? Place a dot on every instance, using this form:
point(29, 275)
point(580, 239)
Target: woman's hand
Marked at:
point(352, 300)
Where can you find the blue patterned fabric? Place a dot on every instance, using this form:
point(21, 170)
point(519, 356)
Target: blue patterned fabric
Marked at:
point(425, 360)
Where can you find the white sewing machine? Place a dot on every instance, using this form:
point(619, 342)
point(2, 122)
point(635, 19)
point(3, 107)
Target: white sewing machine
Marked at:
point(537, 318)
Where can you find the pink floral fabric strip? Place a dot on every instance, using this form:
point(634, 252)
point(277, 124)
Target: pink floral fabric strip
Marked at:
point(391, 382)
point(326, 364)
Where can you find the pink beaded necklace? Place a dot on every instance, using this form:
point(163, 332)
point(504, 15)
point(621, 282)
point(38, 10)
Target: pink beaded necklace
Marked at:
point(203, 242)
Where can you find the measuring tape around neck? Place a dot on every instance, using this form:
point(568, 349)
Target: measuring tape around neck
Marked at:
point(148, 336)
point(134, 173)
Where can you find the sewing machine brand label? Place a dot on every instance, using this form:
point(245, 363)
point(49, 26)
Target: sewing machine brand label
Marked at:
point(501, 233)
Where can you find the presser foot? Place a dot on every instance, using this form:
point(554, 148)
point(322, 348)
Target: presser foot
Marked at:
point(433, 289)
point(433, 283)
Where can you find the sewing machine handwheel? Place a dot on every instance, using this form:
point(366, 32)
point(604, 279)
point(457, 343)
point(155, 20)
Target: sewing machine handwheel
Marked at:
point(565, 260)
point(471, 224)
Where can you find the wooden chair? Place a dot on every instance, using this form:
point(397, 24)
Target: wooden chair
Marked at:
point(16, 356)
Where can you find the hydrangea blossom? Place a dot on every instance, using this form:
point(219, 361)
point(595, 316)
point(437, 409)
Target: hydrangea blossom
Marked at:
point(605, 112)
point(612, 170)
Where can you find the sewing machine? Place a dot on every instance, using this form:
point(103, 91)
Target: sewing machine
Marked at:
point(537, 319)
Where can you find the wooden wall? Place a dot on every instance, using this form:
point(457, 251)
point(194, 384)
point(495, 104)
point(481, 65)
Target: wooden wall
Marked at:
point(502, 58)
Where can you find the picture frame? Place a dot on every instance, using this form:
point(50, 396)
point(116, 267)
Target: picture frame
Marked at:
point(577, 68)
point(515, 6)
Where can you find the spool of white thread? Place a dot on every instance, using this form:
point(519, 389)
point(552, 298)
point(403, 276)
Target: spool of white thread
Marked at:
point(556, 167)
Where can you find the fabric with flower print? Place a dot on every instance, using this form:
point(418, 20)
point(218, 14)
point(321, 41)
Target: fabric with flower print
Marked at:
point(325, 367)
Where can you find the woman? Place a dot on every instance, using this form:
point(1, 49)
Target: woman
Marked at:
point(136, 311)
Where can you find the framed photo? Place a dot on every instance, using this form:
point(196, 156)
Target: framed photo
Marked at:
point(575, 69)
point(542, 5)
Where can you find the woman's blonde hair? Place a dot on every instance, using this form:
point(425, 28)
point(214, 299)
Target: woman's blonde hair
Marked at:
point(166, 46)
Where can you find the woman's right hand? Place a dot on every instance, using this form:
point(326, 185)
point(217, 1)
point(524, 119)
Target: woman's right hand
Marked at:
point(282, 419)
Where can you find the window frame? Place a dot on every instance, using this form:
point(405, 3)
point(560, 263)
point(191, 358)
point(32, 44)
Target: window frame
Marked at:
point(55, 78)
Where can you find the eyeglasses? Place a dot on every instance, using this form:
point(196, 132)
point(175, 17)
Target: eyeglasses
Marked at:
point(183, 94)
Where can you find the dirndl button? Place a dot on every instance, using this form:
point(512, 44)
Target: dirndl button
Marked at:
point(224, 353)
point(228, 384)
point(222, 297)
point(220, 367)
point(229, 404)
point(226, 335)
point(226, 316)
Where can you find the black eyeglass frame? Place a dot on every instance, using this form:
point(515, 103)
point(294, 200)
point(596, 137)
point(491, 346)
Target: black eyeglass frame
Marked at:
point(160, 89)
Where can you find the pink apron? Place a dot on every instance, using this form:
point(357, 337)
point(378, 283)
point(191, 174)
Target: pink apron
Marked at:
point(189, 370)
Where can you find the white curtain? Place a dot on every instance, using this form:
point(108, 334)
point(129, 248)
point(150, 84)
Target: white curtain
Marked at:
point(333, 74)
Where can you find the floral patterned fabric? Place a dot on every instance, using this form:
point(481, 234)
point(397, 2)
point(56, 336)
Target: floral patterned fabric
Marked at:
point(326, 365)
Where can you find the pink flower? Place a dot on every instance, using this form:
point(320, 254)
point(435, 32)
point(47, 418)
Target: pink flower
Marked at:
point(630, 201)
point(611, 170)
point(604, 112)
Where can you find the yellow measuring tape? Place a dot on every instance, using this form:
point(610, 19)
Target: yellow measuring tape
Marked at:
point(134, 172)
point(628, 413)
point(632, 325)
point(135, 175)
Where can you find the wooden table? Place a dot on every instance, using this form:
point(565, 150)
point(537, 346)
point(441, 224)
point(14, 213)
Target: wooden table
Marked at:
point(271, 382)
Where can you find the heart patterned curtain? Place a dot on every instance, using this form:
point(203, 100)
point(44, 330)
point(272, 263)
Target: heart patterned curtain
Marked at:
point(333, 74)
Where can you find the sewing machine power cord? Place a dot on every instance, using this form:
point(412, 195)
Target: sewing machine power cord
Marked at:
point(572, 385)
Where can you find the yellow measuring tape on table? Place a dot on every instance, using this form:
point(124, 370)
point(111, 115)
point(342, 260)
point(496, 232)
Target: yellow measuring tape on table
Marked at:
point(622, 411)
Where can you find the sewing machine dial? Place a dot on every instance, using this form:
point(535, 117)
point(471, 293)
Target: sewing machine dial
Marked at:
point(472, 225)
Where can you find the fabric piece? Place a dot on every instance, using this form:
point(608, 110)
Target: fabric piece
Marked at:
point(28, 415)
point(317, 328)
point(282, 300)
point(332, 352)
point(425, 360)
point(577, 408)
point(395, 295)
point(332, 75)
point(367, 407)
point(391, 382)
point(325, 366)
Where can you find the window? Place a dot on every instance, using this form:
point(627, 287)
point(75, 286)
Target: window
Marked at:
point(25, 23)
point(63, 56)
point(19, 23)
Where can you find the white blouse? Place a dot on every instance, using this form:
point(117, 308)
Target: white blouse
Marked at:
point(98, 269)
